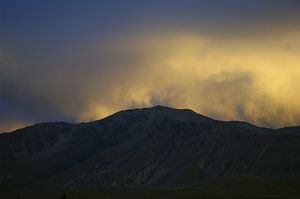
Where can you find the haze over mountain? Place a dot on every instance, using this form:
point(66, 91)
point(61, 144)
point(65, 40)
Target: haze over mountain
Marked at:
point(158, 146)
point(229, 60)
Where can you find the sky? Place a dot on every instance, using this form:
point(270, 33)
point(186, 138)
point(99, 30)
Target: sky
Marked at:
point(79, 61)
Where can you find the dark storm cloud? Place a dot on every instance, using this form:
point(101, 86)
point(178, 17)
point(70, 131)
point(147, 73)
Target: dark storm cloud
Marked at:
point(62, 60)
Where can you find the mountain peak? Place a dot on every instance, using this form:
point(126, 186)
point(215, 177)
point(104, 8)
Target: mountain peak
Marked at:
point(160, 106)
point(159, 112)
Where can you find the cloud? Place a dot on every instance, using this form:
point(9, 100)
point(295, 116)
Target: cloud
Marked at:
point(253, 79)
point(222, 66)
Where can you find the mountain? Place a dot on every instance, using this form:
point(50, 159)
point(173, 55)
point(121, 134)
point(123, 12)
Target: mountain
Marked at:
point(158, 146)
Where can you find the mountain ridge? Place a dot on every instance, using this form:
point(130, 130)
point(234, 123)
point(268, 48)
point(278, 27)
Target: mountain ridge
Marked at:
point(158, 146)
point(149, 108)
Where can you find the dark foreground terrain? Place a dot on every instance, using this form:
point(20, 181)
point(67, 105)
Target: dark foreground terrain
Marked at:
point(242, 187)
point(150, 148)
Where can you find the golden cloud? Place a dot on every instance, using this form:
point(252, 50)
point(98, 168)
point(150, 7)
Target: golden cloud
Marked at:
point(245, 78)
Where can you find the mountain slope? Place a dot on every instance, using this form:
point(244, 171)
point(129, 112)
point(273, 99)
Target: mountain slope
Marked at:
point(157, 146)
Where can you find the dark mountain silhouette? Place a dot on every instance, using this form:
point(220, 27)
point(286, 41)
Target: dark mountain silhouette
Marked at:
point(157, 146)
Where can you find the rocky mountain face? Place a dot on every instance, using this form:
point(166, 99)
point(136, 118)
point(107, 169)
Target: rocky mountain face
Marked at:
point(157, 146)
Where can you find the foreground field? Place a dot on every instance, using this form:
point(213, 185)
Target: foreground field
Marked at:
point(244, 187)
